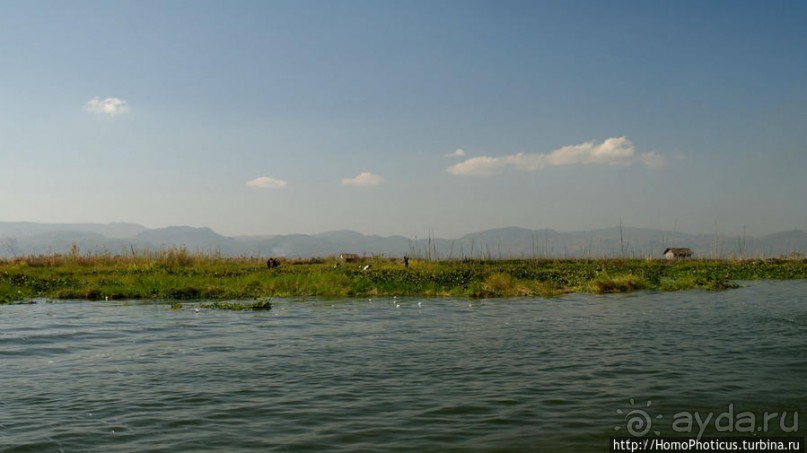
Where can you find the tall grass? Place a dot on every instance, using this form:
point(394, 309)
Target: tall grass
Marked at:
point(621, 284)
point(177, 274)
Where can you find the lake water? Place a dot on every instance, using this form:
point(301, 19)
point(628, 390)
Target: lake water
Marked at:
point(559, 374)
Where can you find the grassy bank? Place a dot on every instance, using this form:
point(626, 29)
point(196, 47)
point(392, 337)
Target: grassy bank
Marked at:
point(178, 275)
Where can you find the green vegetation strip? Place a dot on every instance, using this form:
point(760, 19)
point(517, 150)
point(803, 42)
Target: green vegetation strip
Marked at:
point(179, 275)
point(233, 306)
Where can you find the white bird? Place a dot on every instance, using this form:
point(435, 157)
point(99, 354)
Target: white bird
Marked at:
point(418, 304)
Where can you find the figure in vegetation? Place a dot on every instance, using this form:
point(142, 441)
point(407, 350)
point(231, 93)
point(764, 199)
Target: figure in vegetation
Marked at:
point(272, 263)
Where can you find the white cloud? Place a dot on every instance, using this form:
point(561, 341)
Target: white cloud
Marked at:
point(479, 166)
point(108, 106)
point(458, 153)
point(265, 182)
point(653, 160)
point(364, 179)
point(612, 151)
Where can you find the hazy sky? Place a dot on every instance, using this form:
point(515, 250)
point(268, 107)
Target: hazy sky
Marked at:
point(405, 117)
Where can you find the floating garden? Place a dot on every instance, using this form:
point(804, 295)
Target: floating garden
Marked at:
point(177, 275)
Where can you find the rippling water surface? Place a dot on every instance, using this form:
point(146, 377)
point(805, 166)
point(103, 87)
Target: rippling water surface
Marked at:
point(366, 375)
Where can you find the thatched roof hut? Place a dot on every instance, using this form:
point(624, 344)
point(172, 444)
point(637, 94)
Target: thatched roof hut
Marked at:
point(349, 258)
point(674, 253)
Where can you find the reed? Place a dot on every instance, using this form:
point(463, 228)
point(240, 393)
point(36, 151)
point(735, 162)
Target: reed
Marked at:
point(622, 284)
point(176, 274)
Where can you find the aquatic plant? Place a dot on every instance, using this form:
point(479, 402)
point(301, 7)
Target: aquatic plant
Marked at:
point(239, 306)
point(622, 284)
point(179, 275)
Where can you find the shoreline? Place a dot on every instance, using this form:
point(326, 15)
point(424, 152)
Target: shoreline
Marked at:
point(178, 275)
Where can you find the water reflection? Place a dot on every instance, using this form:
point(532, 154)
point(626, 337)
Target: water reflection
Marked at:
point(392, 374)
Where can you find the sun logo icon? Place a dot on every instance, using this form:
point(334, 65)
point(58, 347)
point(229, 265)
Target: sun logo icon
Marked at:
point(638, 421)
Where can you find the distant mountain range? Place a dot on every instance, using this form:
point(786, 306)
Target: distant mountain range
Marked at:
point(26, 238)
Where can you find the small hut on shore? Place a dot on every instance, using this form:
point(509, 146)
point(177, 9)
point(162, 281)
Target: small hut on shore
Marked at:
point(677, 253)
point(349, 258)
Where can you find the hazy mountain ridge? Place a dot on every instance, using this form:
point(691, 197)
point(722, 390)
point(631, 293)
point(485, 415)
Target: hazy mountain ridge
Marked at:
point(110, 230)
point(27, 238)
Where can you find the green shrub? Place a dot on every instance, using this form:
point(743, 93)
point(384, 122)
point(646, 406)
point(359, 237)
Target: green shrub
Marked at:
point(622, 284)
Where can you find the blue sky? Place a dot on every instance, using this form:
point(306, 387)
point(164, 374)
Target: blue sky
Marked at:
point(273, 117)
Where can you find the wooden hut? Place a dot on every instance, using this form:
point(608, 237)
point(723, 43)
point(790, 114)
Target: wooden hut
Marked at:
point(676, 253)
point(349, 258)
